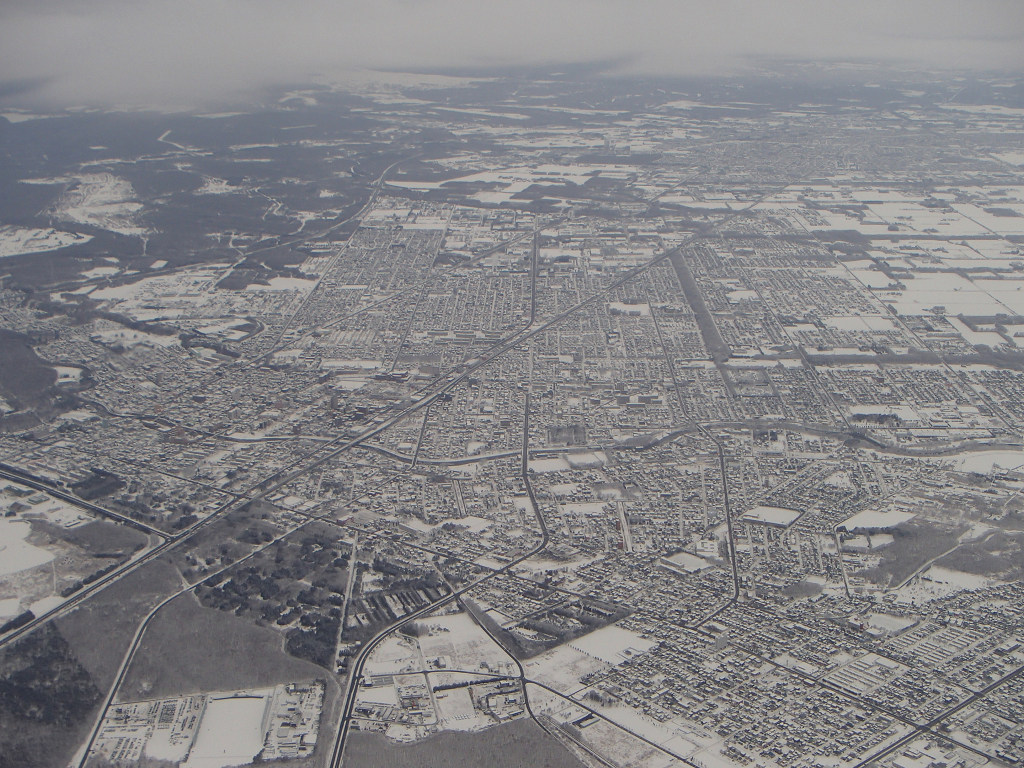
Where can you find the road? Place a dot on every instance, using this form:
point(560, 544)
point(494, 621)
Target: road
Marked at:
point(277, 484)
point(330, 450)
point(356, 669)
point(722, 468)
point(349, 586)
point(927, 727)
point(31, 482)
point(283, 477)
point(136, 641)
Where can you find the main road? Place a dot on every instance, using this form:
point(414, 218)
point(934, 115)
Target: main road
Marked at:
point(337, 446)
point(356, 669)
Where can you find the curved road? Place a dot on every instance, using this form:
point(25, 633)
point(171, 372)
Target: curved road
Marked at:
point(335, 447)
point(356, 670)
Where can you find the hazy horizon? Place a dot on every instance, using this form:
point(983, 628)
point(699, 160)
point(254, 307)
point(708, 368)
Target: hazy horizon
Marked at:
point(59, 53)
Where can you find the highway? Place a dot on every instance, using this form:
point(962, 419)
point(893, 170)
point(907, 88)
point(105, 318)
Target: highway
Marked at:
point(338, 446)
point(31, 482)
point(136, 641)
point(722, 468)
point(330, 450)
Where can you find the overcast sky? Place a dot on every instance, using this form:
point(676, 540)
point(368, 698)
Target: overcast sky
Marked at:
point(181, 52)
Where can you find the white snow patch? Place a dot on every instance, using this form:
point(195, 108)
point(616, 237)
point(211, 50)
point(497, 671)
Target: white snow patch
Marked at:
point(15, 241)
point(47, 604)
point(612, 645)
point(100, 272)
point(212, 186)
point(16, 554)
point(1013, 158)
point(9, 607)
point(873, 518)
point(231, 731)
point(985, 461)
point(18, 116)
point(100, 200)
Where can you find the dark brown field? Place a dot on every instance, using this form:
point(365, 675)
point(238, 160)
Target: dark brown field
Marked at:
point(59, 674)
point(513, 745)
point(188, 649)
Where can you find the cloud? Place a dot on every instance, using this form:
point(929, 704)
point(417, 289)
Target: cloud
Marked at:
point(184, 52)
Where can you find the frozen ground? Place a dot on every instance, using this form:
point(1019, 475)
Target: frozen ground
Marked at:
point(938, 582)
point(985, 461)
point(231, 731)
point(612, 645)
point(15, 241)
point(16, 554)
point(873, 518)
point(212, 186)
point(772, 515)
point(99, 200)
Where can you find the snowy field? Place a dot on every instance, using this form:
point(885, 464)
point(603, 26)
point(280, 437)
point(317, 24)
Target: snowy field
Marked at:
point(771, 516)
point(612, 645)
point(16, 554)
point(985, 461)
point(231, 731)
point(15, 241)
point(99, 200)
point(212, 186)
point(10, 606)
point(873, 518)
point(938, 582)
point(461, 639)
